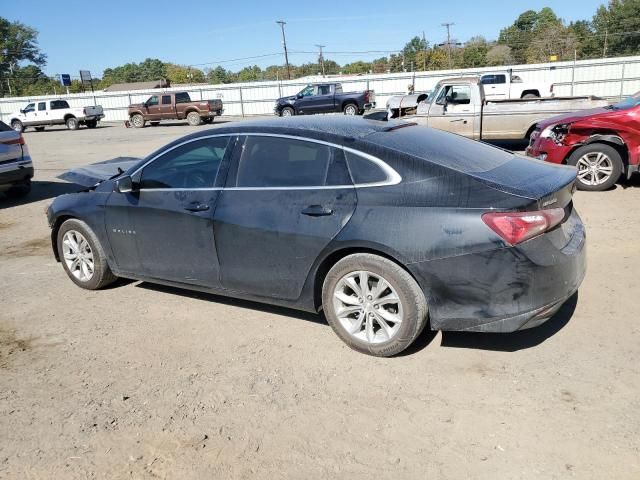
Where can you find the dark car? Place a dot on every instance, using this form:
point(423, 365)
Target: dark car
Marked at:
point(603, 143)
point(381, 225)
point(16, 167)
point(325, 98)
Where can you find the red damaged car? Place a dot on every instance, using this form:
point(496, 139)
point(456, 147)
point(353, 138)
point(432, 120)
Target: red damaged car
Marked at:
point(603, 143)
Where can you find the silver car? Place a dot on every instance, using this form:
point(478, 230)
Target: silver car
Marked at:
point(16, 167)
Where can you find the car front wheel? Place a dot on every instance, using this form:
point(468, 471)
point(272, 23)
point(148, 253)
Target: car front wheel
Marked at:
point(82, 256)
point(17, 126)
point(599, 166)
point(373, 304)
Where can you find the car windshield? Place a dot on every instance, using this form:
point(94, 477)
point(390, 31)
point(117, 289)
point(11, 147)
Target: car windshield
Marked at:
point(632, 101)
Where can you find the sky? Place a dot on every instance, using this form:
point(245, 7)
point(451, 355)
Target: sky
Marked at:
point(92, 35)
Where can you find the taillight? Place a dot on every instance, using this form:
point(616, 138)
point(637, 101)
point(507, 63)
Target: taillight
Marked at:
point(15, 141)
point(366, 96)
point(518, 227)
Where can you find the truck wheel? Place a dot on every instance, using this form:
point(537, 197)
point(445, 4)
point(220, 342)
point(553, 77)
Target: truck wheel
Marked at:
point(91, 123)
point(350, 109)
point(72, 123)
point(39, 129)
point(137, 120)
point(599, 166)
point(17, 126)
point(530, 95)
point(287, 112)
point(193, 118)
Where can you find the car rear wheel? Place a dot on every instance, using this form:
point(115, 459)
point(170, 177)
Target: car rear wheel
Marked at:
point(373, 304)
point(17, 126)
point(350, 109)
point(137, 120)
point(288, 112)
point(82, 256)
point(599, 166)
point(530, 95)
point(193, 118)
point(72, 123)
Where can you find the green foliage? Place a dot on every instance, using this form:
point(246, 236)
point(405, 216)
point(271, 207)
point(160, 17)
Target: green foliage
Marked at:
point(19, 45)
point(611, 22)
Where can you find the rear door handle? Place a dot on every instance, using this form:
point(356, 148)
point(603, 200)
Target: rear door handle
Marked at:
point(317, 211)
point(197, 207)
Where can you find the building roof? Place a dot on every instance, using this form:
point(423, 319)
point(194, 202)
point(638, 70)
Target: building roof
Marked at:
point(121, 87)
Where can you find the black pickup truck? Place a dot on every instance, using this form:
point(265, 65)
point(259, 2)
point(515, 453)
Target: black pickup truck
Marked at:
point(325, 98)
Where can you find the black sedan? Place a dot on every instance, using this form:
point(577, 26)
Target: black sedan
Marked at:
point(384, 226)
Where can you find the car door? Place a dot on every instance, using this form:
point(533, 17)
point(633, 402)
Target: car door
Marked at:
point(153, 108)
point(167, 109)
point(42, 115)
point(454, 111)
point(286, 198)
point(304, 99)
point(29, 114)
point(495, 86)
point(57, 111)
point(324, 99)
point(164, 228)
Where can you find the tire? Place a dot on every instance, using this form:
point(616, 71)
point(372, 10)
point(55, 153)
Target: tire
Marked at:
point(137, 120)
point(607, 163)
point(102, 274)
point(193, 118)
point(20, 190)
point(287, 112)
point(154, 124)
point(350, 109)
point(72, 123)
point(411, 306)
point(91, 123)
point(530, 95)
point(17, 126)
point(39, 129)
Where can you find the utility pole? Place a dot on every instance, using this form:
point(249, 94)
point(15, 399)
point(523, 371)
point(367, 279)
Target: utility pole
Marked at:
point(448, 27)
point(284, 43)
point(424, 58)
point(321, 57)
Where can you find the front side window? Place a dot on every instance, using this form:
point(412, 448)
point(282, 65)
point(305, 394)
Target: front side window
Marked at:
point(153, 100)
point(488, 79)
point(500, 79)
point(29, 108)
point(456, 94)
point(166, 100)
point(42, 106)
point(284, 162)
point(307, 91)
point(192, 165)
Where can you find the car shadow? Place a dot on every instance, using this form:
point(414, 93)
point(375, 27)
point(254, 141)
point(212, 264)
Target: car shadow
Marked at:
point(39, 191)
point(248, 304)
point(512, 342)
point(185, 124)
point(633, 182)
point(62, 128)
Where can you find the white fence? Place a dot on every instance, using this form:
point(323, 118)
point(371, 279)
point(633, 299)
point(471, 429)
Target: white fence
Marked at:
point(610, 78)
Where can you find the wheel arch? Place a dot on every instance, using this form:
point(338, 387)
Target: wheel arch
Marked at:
point(60, 219)
point(191, 110)
point(331, 258)
point(609, 139)
point(68, 116)
point(349, 101)
point(533, 91)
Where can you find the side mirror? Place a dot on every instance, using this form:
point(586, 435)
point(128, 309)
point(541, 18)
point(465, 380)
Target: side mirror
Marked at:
point(299, 96)
point(123, 185)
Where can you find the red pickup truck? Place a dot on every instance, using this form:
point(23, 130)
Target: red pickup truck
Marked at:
point(603, 143)
point(174, 106)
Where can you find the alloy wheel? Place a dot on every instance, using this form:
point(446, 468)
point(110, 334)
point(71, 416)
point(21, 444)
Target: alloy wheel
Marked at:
point(78, 255)
point(350, 110)
point(368, 307)
point(594, 168)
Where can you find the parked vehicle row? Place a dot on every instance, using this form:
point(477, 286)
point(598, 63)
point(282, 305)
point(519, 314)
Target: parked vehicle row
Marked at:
point(55, 112)
point(174, 106)
point(340, 215)
point(16, 167)
point(325, 98)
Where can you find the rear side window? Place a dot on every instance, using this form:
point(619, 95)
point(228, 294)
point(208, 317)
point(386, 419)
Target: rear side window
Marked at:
point(42, 106)
point(324, 90)
point(59, 104)
point(166, 100)
point(285, 162)
point(192, 165)
point(182, 97)
point(363, 170)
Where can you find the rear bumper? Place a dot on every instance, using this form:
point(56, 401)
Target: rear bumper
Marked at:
point(90, 118)
point(214, 113)
point(15, 173)
point(508, 289)
point(369, 106)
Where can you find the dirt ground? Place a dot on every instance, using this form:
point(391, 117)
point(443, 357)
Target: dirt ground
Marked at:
point(141, 381)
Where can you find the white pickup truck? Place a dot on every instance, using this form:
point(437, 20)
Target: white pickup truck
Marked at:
point(55, 112)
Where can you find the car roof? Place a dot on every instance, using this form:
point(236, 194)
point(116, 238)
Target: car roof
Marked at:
point(317, 126)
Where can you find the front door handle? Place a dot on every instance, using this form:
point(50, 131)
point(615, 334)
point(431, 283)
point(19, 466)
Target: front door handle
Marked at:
point(197, 207)
point(317, 211)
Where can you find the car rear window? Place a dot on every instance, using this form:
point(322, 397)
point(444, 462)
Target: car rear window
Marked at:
point(442, 148)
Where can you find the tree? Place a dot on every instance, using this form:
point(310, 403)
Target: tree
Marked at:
point(499, 55)
point(250, 74)
point(411, 49)
point(587, 42)
point(218, 75)
point(527, 27)
point(619, 23)
point(18, 45)
point(181, 74)
point(474, 53)
point(438, 59)
point(356, 67)
point(554, 40)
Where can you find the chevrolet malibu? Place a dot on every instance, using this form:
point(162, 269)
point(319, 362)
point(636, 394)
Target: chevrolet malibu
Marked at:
point(384, 226)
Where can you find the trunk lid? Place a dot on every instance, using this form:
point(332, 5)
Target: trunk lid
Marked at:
point(90, 175)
